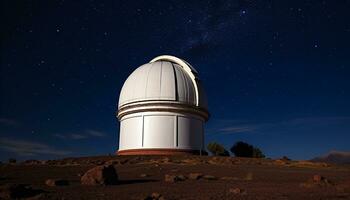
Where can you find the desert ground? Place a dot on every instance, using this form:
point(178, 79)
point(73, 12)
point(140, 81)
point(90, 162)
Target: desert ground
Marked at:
point(177, 177)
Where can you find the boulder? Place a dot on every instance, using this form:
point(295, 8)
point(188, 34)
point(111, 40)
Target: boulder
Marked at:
point(56, 182)
point(229, 178)
point(317, 178)
point(209, 177)
point(195, 176)
point(248, 176)
point(154, 196)
point(174, 178)
point(144, 175)
point(100, 175)
point(236, 191)
point(316, 181)
point(32, 162)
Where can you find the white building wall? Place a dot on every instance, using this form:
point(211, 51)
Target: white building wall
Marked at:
point(190, 133)
point(130, 129)
point(158, 131)
point(161, 130)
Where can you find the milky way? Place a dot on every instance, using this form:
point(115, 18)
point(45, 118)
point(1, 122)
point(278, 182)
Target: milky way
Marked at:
point(276, 72)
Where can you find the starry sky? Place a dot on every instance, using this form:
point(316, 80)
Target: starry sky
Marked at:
point(277, 73)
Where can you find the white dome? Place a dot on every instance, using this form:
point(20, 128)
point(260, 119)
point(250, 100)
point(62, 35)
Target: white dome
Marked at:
point(165, 78)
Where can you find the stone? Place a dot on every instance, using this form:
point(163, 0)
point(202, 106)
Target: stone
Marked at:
point(32, 162)
point(181, 177)
point(174, 178)
point(317, 178)
point(195, 176)
point(209, 177)
point(56, 182)
point(229, 178)
point(100, 175)
point(249, 176)
point(236, 191)
point(144, 175)
point(154, 196)
point(166, 160)
point(190, 161)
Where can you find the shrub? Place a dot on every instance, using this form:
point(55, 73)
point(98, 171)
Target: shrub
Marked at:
point(12, 160)
point(242, 149)
point(217, 149)
point(257, 153)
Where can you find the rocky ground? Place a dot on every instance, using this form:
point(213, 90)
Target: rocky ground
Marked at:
point(168, 177)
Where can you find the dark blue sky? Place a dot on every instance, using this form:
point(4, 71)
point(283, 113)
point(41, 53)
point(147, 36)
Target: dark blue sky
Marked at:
point(277, 73)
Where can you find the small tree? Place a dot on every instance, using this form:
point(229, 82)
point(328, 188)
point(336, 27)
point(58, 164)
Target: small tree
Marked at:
point(257, 153)
point(217, 149)
point(242, 149)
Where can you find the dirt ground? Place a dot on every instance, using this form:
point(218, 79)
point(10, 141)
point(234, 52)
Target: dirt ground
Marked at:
point(140, 176)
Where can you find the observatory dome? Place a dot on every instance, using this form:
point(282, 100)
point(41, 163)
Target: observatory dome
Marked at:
point(165, 78)
point(162, 109)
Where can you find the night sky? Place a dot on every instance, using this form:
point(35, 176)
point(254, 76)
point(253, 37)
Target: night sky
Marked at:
point(277, 73)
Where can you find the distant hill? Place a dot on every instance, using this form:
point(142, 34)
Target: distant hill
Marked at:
point(336, 157)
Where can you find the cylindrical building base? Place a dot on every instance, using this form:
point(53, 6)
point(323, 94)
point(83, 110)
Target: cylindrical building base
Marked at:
point(161, 152)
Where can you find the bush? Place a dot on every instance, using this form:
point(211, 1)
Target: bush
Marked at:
point(257, 153)
point(242, 149)
point(12, 160)
point(217, 149)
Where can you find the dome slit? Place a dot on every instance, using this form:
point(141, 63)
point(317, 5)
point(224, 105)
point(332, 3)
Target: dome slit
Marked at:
point(175, 79)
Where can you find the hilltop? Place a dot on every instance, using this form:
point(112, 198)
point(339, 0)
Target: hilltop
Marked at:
point(179, 177)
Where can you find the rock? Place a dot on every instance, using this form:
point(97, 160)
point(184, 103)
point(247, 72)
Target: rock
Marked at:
point(174, 178)
point(16, 191)
point(181, 177)
point(190, 161)
point(280, 162)
point(100, 175)
point(237, 191)
point(195, 176)
point(166, 160)
point(154, 196)
point(249, 176)
point(317, 178)
point(209, 177)
point(32, 162)
point(56, 182)
point(228, 178)
point(144, 175)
